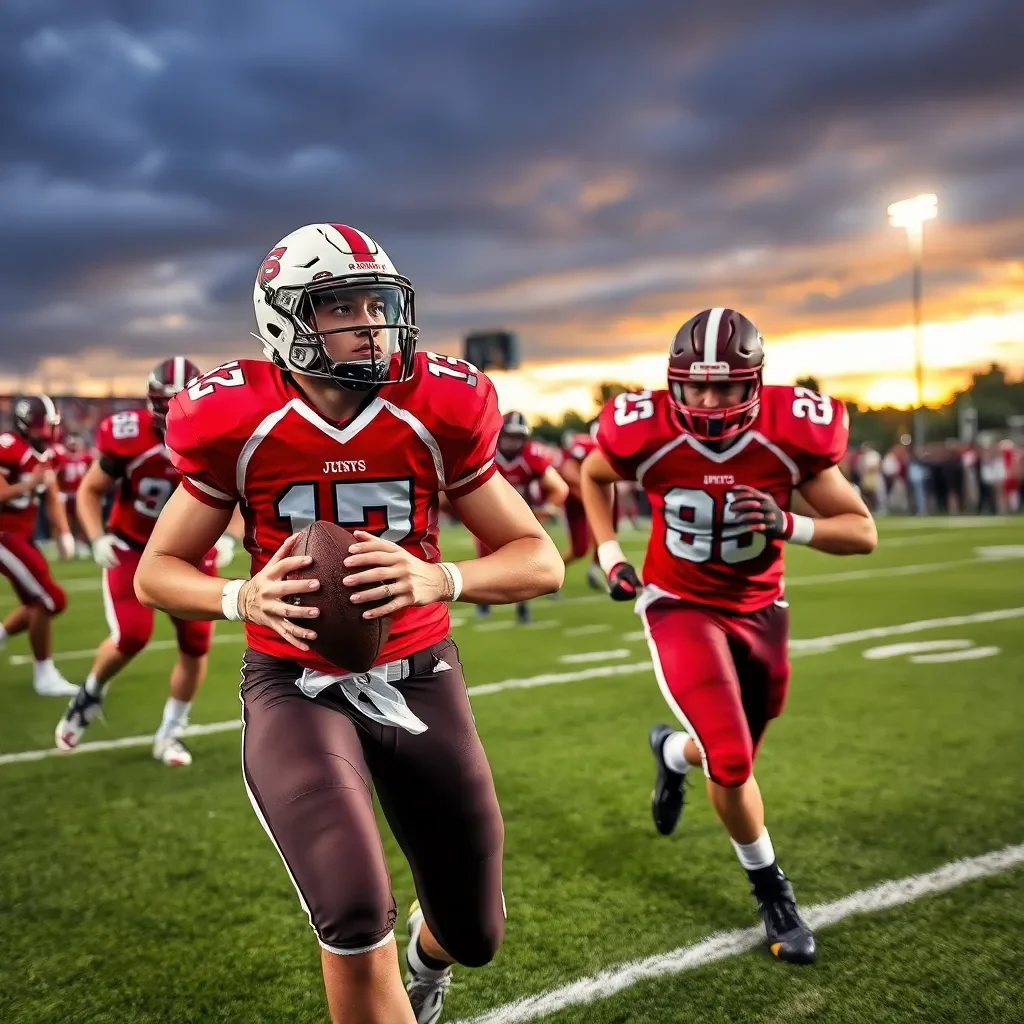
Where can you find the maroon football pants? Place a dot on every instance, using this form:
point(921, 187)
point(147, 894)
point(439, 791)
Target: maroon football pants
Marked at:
point(310, 766)
point(724, 675)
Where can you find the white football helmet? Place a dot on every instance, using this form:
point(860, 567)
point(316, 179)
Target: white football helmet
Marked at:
point(332, 258)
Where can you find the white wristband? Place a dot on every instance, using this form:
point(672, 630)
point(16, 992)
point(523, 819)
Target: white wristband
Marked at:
point(455, 575)
point(229, 600)
point(803, 530)
point(609, 555)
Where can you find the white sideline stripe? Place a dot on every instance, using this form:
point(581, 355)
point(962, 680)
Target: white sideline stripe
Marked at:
point(580, 659)
point(596, 627)
point(154, 645)
point(723, 945)
point(814, 645)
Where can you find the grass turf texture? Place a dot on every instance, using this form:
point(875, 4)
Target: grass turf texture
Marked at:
point(132, 892)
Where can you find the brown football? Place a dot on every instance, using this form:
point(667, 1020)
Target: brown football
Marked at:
point(344, 637)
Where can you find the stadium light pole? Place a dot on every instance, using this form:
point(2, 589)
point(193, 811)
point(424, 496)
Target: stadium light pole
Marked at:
point(911, 215)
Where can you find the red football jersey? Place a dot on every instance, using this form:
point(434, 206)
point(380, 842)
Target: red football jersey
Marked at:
point(696, 551)
point(245, 432)
point(133, 453)
point(71, 467)
point(525, 470)
point(17, 461)
point(580, 447)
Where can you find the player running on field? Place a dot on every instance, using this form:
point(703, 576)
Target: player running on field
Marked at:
point(346, 422)
point(720, 457)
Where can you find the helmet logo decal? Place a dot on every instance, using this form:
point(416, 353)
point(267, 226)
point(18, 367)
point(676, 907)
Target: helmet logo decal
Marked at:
point(272, 264)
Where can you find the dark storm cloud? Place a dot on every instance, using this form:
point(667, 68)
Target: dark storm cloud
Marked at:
point(153, 151)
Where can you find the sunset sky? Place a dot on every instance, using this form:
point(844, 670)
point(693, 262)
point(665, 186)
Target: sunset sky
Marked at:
point(588, 173)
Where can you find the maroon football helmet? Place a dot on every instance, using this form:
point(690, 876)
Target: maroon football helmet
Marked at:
point(716, 346)
point(515, 431)
point(36, 419)
point(165, 380)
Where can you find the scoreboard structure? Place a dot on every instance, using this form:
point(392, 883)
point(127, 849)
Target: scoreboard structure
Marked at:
point(492, 350)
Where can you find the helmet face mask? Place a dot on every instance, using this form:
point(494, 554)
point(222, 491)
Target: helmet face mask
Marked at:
point(303, 283)
point(723, 347)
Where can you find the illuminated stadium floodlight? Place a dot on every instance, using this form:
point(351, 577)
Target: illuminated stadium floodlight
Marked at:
point(911, 214)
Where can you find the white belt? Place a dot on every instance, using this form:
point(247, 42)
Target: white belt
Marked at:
point(371, 693)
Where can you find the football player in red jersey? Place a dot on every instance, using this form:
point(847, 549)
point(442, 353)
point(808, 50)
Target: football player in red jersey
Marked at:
point(72, 461)
point(132, 457)
point(347, 422)
point(26, 475)
point(529, 467)
point(575, 448)
point(720, 457)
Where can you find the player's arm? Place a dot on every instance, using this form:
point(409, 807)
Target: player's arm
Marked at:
point(168, 576)
point(597, 488)
point(553, 488)
point(230, 539)
point(523, 563)
point(9, 491)
point(570, 473)
point(99, 479)
point(57, 517)
point(843, 525)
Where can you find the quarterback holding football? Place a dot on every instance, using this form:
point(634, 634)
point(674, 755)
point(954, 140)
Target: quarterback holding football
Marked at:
point(721, 456)
point(345, 421)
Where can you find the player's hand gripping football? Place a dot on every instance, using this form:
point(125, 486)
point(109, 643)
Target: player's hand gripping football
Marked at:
point(261, 600)
point(403, 579)
point(623, 582)
point(760, 512)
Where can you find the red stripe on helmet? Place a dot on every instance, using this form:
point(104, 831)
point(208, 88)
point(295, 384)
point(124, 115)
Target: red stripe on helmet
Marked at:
point(358, 243)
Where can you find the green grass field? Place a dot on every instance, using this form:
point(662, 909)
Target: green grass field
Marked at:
point(132, 892)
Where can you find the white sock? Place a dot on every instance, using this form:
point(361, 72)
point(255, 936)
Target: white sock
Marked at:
point(672, 753)
point(758, 854)
point(3, 634)
point(417, 964)
point(95, 688)
point(45, 667)
point(175, 713)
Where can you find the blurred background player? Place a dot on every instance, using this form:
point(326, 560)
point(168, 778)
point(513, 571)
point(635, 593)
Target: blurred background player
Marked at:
point(26, 475)
point(529, 467)
point(131, 457)
point(72, 461)
point(575, 448)
point(720, 457)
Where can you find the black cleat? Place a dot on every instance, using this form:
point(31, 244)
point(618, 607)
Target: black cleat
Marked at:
point(789, 938)
point(669, 787)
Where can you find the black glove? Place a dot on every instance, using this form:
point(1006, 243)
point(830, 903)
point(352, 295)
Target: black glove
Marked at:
point(623, 582)
point(761, 513)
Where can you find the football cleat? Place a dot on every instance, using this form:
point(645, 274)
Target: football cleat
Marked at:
point(169, 750)
point(789, 938)
point(83, 709)
point(669, 787)
point(53, 684)
point(426, 991)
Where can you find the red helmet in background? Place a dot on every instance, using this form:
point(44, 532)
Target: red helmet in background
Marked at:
point(717, 346)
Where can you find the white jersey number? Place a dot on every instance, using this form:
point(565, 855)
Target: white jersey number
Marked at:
point(633, 407)
point(693, 525)
point(153, 494)
point(353, 502)
point(229, 375)
point(809, 405)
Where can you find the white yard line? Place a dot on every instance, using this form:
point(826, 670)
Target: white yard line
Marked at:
point(582, 659)
point(814, 645)
point(722, 945)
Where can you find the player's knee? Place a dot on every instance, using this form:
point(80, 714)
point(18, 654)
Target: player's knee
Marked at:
point(356, 923)
point(475, 943)
point(194, 646)
point(731, 768)
point(132, 640)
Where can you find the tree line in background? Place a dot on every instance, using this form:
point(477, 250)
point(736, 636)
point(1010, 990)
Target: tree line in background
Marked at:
point(997, 401)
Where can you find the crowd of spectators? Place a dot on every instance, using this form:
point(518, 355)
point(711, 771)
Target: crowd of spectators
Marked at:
point(954, 477)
